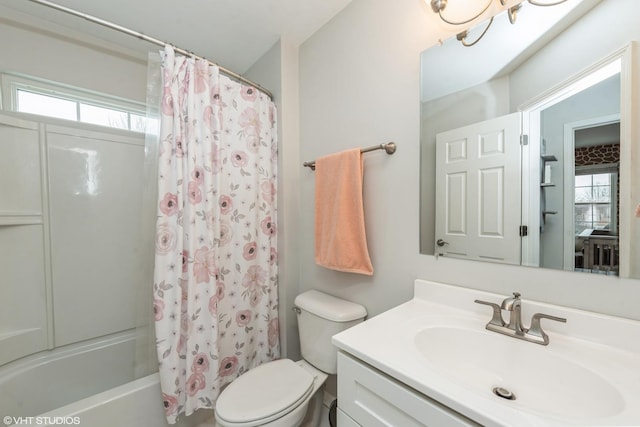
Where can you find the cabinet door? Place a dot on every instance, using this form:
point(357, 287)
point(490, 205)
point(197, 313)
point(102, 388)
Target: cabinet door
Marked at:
point(372, 399)
point(345, 420)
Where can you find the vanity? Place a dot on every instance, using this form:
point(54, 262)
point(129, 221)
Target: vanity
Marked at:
point(433, 361)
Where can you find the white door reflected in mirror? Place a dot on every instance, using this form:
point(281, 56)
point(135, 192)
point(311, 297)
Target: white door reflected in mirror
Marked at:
point(477, 173)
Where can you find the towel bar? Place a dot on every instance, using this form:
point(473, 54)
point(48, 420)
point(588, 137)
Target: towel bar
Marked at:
point(389, 147)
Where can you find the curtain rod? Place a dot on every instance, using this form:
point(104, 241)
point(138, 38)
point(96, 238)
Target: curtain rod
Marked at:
point(389, 147)
point(149, 39)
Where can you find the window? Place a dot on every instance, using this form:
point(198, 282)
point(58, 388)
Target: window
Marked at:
point(35, 96)
point(595, 205)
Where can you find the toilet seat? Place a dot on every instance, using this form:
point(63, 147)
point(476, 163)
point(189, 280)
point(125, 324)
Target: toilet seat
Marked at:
point(264, 394)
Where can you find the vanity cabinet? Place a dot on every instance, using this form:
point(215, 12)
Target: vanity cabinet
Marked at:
point(368, 397)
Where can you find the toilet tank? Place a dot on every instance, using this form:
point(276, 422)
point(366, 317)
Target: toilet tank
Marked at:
point(321, 316)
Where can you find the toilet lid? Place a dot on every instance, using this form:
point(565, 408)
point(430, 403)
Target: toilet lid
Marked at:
point(263, 392)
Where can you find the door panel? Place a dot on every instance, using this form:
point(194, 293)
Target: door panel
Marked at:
point(478, 190)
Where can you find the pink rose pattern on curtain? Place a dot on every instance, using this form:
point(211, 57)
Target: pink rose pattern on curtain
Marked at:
point(215, 284)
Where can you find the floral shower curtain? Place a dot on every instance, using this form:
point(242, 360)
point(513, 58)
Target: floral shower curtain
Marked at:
point(215, 281)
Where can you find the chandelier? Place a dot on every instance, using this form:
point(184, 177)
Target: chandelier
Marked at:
point(440, 6)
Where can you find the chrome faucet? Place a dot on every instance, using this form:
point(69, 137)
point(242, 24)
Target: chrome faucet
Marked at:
point(514, 328)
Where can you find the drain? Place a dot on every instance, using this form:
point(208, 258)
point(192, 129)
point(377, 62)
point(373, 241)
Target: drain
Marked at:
point(504, 393)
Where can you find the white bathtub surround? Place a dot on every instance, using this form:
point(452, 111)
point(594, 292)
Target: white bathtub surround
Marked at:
point(55, 176)
point(437, 344)
point(215, 285)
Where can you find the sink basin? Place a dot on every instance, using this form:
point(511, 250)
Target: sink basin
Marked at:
point(540, 380)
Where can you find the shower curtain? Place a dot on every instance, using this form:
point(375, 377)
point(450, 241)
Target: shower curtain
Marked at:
point(215, 278)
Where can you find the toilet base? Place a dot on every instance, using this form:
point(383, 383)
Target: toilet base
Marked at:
point(314, 410)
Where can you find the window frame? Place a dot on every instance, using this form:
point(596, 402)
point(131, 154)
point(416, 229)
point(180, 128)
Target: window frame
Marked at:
point(612, 170)
point(11, 83)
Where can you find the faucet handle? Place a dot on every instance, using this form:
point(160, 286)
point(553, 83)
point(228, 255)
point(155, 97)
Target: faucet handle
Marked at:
point(536, 329)
point(497, 313)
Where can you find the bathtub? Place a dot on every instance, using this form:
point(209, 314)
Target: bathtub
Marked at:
point(89, 384)
point(135, 404)
point(44, 381)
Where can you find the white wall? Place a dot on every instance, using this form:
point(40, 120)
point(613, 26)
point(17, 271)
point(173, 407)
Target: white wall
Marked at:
point(605, 29)
point(359, 85)
point(38, 48)
point(278, 71)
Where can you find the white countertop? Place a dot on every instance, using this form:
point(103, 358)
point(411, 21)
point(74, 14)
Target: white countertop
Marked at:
point(606, 346)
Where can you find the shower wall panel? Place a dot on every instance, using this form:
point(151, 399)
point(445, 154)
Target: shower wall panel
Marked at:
point(95, 181)
point(23, 291)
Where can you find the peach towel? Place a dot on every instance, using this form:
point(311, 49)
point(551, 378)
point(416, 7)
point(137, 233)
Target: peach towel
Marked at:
point(341, 242)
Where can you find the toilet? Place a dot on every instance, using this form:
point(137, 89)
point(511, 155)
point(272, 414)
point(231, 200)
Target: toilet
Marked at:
point(284, 393)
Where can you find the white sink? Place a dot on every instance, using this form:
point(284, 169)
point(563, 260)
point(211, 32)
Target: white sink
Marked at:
point(537, 377)
point(437, 344)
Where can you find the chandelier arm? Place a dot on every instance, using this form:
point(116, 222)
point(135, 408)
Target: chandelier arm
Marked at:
point(535, 3)
point(468, 20)
point(462, 36)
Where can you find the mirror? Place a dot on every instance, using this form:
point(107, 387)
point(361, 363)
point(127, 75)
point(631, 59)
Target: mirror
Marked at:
point(572, 189)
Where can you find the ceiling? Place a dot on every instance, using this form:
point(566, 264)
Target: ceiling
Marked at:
point(231, 33)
